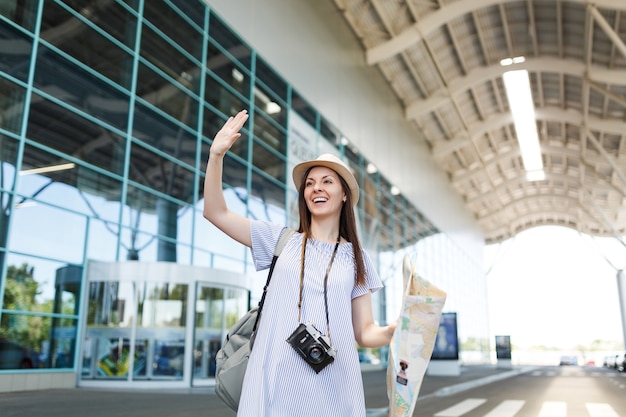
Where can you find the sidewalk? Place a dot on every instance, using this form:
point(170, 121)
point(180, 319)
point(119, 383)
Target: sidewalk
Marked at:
point(202, 402)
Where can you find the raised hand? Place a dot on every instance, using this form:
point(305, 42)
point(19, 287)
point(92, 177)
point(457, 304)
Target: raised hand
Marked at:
point(229, 133)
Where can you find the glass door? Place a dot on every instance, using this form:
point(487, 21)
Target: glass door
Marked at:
point(108, 352)
point(135, 331)
point(161, 321)
point(216, 310)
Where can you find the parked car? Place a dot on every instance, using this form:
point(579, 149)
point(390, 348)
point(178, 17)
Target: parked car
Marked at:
point(620, 362)
point(609, 361)
point(568, 360)
point(15, 356)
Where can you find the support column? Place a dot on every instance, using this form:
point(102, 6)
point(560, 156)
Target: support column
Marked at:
point(621, 291)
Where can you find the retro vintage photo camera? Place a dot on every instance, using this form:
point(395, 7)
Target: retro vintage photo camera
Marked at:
point(314, 348)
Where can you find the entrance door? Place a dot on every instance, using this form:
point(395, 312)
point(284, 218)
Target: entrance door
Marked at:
point(216, 310)
point(135, 331)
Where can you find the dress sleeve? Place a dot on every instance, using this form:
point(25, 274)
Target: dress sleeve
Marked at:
point(264, 238)
point(372, 280)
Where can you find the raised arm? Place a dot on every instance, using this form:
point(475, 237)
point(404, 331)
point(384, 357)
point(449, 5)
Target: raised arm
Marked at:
point(215, 209)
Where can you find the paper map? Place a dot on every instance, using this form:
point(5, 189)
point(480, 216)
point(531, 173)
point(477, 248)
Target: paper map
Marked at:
point(413, 341)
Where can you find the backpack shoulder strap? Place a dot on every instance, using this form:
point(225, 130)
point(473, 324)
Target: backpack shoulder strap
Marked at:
point(282, 241)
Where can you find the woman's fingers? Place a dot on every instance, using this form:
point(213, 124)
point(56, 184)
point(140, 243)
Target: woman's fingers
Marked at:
point(229, 133)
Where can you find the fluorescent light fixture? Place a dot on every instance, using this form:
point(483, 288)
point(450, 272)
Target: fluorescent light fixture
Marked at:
point(51, 168)
point(517, 85)
point(237, 75)
point(272, 108)
point(25, 204)
point(510, 61)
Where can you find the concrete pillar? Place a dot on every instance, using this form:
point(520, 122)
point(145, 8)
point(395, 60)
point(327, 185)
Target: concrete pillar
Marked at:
point(621, 291)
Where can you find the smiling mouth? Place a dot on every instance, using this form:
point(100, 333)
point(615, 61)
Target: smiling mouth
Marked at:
point(319, 200)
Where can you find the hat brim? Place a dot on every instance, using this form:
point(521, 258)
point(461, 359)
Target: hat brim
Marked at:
point(300, 170)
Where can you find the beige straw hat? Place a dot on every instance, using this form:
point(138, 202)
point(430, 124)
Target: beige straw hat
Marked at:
point(329, 161)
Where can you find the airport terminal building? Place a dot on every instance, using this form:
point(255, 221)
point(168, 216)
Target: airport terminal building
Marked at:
point(109, 274)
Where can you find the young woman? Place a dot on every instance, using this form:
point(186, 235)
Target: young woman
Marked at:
point(323, 278)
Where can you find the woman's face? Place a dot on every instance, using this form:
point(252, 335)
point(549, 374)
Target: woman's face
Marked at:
point(323, 193)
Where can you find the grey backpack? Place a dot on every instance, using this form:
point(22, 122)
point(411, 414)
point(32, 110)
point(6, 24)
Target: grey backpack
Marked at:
point(232, 359)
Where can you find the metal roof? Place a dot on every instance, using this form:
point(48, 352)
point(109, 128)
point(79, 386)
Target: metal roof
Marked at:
point(442, 60)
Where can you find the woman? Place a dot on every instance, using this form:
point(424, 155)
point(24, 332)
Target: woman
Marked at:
point(322, 278)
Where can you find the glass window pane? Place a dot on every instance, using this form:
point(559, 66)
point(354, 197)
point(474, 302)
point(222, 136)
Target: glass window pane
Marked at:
point(176, 28)
point(22, 12)
point(194, 10)
point(270, 78)
point(102, 241)
point(269, 106)
point(303, 108)
point(62, 343)
point(19, 347)
point(32, 283)
point(163, 94)
point(87, 45)
point(84, 190)
point(229, 41)
point(265, 194)
point(35, 342)
point(82, 89)
point(231, 73)
point(11, 106)
point(269, 162)
point(17, 47)
point(110, 304)
point(161, 174)
point(110, 357)
point(58, 128)
point(167, 57)
point(34, 232)
point(330, 132)
point(235, 172)
point(223, 99)
point(168, 358)
point(8, 161)
point(164, 135)
point(162, 314)
point(273, 135)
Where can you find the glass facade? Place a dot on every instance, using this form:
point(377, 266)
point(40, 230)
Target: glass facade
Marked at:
point(107, 114)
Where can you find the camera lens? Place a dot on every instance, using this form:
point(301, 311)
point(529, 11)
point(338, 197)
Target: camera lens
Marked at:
point(315, 353)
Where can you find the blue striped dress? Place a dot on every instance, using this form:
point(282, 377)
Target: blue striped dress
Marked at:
point(278, 382)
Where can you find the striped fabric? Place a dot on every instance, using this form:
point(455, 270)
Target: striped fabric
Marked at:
point(278, 382)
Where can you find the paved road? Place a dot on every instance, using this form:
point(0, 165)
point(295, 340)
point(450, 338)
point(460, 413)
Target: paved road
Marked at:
point(202, 402)
point(569, 391)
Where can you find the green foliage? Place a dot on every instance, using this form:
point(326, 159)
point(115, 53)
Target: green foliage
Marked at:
point(21, 289)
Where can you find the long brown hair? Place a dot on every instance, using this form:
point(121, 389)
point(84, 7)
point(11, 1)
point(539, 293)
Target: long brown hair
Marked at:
point(347, 225)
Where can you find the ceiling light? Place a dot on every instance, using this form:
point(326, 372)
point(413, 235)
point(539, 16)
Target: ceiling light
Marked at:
point(371, 168)
point(272, 108)
point(395, 190)
point(517, 85)
point(510, 61)
point(51, 168)
point(237, 76)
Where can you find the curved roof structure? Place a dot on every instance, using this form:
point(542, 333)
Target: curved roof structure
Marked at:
point(442, 60)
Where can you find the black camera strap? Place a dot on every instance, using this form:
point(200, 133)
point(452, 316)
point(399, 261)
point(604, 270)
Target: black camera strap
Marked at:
point(330, 264)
